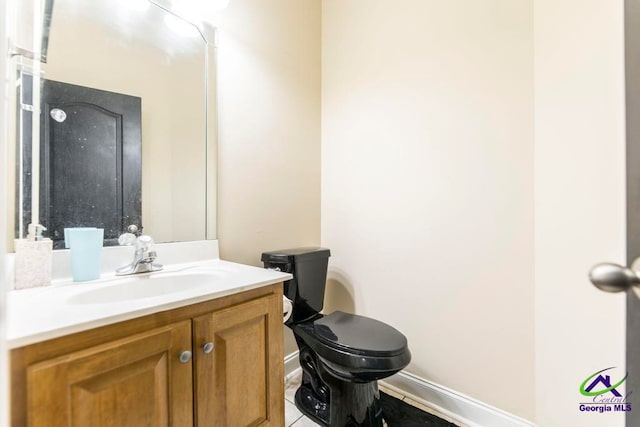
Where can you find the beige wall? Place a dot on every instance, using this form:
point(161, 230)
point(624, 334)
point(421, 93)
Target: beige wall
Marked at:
point(269, 128)
point(427, 183)
point(579, 201)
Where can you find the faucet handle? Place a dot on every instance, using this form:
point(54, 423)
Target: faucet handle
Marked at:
point(144, 242)
point(127, 239)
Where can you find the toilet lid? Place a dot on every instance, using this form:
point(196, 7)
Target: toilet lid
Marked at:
point(357, 334)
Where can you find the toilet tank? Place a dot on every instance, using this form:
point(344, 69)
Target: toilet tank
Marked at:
point(309, 269)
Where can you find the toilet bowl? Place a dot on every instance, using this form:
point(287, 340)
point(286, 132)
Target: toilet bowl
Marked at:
point(342, 355)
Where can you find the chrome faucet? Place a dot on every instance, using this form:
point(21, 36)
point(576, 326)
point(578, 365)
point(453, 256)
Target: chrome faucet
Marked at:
point(143, 257)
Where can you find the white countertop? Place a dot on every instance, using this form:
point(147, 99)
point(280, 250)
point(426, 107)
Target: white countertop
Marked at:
point(65, 307)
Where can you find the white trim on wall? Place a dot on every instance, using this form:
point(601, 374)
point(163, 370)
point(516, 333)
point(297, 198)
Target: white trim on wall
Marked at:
point(457, 406)
point(291, 364)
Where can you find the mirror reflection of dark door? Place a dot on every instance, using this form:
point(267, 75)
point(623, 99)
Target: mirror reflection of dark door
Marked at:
point(90, 160)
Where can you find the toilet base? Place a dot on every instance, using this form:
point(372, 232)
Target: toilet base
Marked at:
point(310, 406)
point(333, 402)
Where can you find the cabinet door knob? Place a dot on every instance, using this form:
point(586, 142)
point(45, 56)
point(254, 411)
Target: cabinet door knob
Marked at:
point(207, 347)
point(185, 356)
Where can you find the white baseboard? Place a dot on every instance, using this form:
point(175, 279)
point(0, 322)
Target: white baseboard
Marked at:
point(291, 364)
point(460, 408)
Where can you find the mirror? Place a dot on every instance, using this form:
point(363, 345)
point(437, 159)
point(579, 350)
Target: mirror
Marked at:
point(124, 135)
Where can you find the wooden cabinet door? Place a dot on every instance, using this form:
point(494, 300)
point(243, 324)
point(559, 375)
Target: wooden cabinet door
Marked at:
point(131, 382)
point(241, 381)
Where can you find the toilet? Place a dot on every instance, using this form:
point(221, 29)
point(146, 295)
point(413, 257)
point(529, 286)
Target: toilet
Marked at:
point(342, 355)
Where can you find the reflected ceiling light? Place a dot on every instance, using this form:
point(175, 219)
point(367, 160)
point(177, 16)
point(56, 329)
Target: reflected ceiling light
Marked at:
point(180, 26)
point(136, 5)
point(216, 5)
point(198, 10)
point(58, 115)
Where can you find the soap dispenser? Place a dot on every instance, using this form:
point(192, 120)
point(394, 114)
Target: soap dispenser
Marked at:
point(34, 259)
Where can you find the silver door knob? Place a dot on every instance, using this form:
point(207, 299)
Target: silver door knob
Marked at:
point(207, 347)
point(185, 356)
point(611, 277)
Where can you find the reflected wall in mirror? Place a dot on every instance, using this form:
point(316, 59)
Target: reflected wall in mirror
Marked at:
point(123, 124)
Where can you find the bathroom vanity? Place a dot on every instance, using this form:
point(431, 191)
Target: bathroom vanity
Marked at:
point(205, 348)
point(199, 343)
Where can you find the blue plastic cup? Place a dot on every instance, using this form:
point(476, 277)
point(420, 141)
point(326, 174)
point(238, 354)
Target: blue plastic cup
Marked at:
point(67, 238)
point(86, 252)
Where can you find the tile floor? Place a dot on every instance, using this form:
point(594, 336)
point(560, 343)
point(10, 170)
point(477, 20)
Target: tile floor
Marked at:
point(294, 418)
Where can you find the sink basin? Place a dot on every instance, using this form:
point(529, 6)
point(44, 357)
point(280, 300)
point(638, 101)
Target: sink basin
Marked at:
point(147, 286)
